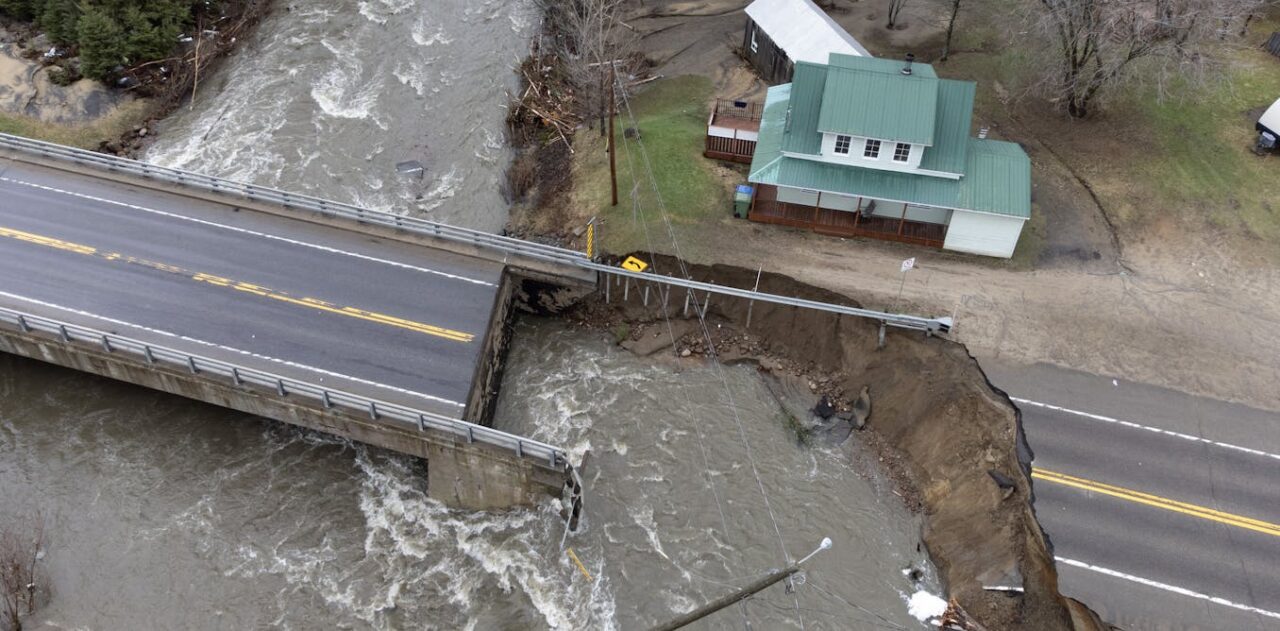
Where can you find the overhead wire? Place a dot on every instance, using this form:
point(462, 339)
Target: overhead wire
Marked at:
point(700, 310)
point(638, 212)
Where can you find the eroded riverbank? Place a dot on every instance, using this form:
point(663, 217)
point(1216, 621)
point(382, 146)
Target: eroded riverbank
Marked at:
point(952, 442)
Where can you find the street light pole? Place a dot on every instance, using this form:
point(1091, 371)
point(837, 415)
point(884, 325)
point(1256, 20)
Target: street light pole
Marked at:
point(742, 594)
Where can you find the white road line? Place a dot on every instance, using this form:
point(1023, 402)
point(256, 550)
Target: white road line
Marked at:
point(1182, 591)
point(323, 248)
point(229, 349)
point(1157, 430)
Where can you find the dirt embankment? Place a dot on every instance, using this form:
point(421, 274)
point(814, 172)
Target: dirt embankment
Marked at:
point(28, 65)
point(952, 442)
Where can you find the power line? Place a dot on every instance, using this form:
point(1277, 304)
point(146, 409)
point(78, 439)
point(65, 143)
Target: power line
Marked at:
point(711, 348)
point(637, 211)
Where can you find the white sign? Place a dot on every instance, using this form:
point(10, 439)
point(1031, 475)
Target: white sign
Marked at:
point(909, 264)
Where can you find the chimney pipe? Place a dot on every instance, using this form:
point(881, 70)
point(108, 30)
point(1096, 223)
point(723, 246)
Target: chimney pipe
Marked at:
point(906, 70)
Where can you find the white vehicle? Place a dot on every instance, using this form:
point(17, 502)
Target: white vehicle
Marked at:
point(1268, 127)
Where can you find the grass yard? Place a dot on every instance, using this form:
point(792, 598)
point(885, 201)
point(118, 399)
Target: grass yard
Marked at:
point(696, 192)
point(1203, 168)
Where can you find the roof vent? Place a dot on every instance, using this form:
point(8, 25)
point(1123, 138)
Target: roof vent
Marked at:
point(906, 70)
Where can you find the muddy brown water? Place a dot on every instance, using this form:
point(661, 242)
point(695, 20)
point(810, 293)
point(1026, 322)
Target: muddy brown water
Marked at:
point(164, 513)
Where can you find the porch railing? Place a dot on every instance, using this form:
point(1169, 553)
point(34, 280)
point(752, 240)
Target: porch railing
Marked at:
point(765, 208)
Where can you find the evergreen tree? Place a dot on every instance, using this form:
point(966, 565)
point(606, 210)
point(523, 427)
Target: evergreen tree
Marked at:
point(58, 19)
point(19, 9)
point(101, 43)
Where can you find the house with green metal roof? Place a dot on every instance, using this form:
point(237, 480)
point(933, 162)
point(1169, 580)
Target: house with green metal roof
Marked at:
point(862, 146)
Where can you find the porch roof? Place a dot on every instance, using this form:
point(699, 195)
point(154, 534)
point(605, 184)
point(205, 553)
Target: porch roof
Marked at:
point(996, 180)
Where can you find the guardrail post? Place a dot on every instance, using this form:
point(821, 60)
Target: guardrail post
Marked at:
point(687, 293)
point(146, 354)
point(280, 388)
point(551, 460)
point(235, 376)
point(626, 289)
point(422, 422)
point(106, 344)
point(606, 288)
point(519, 448)
point(880, 343)
point(471, 435)
point(191, 363)
point(62, 331)
point(22, 324)
point(646, 295)
point(324, 398)
point(373, 410)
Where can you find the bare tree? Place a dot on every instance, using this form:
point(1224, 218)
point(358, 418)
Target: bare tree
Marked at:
point(590, 37)
point(1100, 42)
point(23, 583)
point(951, 27)
point(895, 8)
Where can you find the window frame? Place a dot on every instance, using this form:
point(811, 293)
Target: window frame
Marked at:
point(871, 150)
point(848, 144)
point(906, 157)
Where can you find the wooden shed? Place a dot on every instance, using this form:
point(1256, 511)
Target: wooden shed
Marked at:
point(781, 32)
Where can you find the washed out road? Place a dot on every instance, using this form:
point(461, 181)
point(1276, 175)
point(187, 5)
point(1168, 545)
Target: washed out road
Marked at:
point(386, 320)
point(1163, 508)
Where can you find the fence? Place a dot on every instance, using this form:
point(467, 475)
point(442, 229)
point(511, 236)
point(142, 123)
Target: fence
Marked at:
point(540, 453)
point(506, 246)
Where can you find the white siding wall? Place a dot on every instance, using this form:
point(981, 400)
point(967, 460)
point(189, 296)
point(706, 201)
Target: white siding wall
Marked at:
point(929, 215)
point(802, 196)
point(885, 161)
point(980, 233)
point(892, 210)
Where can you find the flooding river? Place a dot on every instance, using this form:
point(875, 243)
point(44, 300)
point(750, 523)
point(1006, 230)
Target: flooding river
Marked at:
point(166, 514)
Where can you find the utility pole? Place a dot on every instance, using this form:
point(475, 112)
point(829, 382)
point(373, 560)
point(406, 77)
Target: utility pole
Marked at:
point(613, 164)
point(742, 594)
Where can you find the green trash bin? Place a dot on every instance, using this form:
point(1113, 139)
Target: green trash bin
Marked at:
point(742, 201)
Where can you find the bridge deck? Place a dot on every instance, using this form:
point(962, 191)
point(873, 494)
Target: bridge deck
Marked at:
point(387, 320)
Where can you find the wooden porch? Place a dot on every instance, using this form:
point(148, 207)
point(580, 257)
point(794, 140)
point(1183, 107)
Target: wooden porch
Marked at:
point(732, 130)
point(765, 208)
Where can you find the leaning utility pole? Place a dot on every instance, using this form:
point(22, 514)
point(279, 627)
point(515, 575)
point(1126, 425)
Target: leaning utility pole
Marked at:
point(742, 594)
point(613, 165)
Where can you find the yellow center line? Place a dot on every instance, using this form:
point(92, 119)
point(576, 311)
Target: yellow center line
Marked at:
point(1157, 501)
point(220, 281)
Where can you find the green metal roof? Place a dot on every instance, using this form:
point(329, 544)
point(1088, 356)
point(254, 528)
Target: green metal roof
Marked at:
point(879, 64)
point(802, 135)
point(951, 139)
point(864, 96)
point(995, 176)
point(997, 180)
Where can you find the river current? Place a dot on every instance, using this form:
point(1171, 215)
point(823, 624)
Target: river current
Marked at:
point(163, 513)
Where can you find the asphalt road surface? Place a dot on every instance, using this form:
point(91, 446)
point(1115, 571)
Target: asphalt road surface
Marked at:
point(382, 319)
point(1164, 509)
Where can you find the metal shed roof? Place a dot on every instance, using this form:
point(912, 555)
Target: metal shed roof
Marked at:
point(803, 30)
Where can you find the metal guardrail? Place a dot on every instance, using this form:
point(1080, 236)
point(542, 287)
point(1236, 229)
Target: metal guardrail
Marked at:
point(507, 246)
point(539, 453)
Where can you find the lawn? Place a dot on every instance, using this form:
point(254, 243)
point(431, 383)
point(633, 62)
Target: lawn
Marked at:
point(694, 192)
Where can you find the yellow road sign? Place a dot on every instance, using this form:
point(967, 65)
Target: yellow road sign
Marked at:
point(634, 264)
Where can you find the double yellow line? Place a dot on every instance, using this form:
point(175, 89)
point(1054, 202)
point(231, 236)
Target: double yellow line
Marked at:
point(258, 290)
point(1156, 501)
